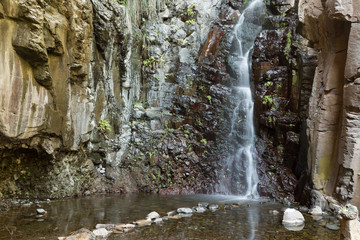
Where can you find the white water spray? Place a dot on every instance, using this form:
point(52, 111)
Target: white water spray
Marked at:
point(239, 174)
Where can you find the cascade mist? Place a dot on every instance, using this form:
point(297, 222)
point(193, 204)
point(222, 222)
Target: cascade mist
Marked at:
point(238, 175)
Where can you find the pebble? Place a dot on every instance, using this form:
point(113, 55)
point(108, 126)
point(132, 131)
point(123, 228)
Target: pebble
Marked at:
point(171, 213)
point(316, 211)
point(185, 210)
point(303, 209)
point(213, 207)
point(40, 211)
point(173, 217)
point(332, 227)
point(106, 226)
point(274, 212)
point(152, 216)
point(203, 204)
point(185, 214)
point(102, 232)
point(125, 227)
point(200, 209)
point(143, 222)
point(158, 220)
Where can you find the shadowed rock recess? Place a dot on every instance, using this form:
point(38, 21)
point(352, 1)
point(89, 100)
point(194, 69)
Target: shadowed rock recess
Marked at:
point(126, 96)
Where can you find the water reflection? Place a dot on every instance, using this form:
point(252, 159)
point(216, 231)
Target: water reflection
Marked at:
point(250, 220)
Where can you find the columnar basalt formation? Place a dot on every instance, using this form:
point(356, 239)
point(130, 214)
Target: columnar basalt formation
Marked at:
point(332, 29)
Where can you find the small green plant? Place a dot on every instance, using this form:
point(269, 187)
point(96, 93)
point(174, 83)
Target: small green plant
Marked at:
point(152, 153)
point(190, 22)
point(267, 84)
point(180, 41)
point(123, 2)
point(104, 126)
point(152, 62)
point(202, 88)
point(140, 103)
point(190, 11)
point(267, 100)
point(209, 98)
point(203, 140)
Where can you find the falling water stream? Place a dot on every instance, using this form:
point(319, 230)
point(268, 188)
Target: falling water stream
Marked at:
point(239, 176)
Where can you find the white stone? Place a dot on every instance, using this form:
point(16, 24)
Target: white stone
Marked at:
point(171, 213)
point(158, 220)
point(185, 56)
point(124, 227)
point(102, 232)
point(152, 215)
point(185, 210)
point(293, 217)
point(316, 211)
point(40, 211)
point(107, 226)
point(200, 209)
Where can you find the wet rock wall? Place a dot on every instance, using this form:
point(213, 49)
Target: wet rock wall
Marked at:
point(99, 96)
point(127, 96)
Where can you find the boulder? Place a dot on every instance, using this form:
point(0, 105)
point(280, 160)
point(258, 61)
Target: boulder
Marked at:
point(293, 218)
point(349, 224)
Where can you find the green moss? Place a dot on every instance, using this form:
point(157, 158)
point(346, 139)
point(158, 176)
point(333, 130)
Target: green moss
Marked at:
point(294, 77)
point(209, 98)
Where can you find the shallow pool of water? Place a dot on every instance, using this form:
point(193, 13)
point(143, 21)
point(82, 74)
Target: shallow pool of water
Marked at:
point(250, 220)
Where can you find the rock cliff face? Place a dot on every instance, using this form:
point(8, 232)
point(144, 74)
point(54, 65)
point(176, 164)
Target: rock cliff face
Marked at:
point(110, 95)
point(69, 68)
point(332, 28)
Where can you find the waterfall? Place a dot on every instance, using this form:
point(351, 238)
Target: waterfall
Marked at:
point(239, 175)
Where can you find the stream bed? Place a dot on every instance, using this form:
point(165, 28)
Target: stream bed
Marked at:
point(250, 220)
